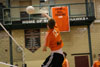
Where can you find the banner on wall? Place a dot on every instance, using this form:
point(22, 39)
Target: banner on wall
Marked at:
point(32, 39)
point(61, 16)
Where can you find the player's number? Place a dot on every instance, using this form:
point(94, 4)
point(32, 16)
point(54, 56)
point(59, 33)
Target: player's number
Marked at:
point(55, 33)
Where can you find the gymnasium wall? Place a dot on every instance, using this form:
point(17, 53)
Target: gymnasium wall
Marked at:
point(68, 1)
point(95, 31)
point(95, 37)
point(97, 9)
point(4, 45)
point(75, 41)
point(15, 12)
point(2, 65)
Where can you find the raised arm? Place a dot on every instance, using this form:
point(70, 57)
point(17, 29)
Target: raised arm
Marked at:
point(46, 15)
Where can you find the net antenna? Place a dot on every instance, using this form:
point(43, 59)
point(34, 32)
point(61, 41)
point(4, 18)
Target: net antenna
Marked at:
point(23, 54)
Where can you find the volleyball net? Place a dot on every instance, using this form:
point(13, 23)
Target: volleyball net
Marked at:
point(11, 52)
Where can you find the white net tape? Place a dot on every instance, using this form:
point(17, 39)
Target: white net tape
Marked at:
point(8, 64)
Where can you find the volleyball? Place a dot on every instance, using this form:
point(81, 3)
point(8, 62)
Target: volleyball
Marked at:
point(30, 9)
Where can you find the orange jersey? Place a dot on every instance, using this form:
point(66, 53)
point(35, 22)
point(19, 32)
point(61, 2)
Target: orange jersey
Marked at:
point(65, 63)
point(53, 39)
point(96, 64)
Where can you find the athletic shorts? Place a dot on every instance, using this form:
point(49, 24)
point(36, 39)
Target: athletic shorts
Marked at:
point(54, 60)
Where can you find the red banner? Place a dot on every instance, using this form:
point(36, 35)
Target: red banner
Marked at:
point(61, 16)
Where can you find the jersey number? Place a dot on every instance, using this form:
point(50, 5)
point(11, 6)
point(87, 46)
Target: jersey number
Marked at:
point(55, 33)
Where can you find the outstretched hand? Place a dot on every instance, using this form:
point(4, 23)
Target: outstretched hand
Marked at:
point(46, 15)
